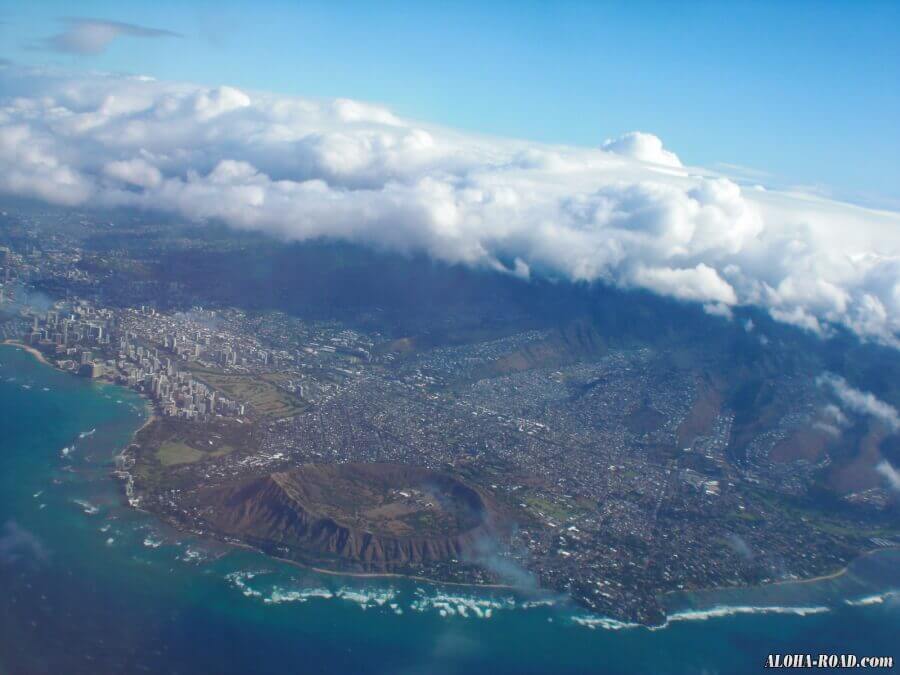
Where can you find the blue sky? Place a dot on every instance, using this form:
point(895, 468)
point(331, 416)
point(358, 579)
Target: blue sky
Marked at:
point(809, 92)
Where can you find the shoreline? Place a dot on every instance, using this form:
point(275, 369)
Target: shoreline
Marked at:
point(37, 354)
point(152, 416)
point(523, 590)
point(356, 575)
point(688, 594)
point(822, 577)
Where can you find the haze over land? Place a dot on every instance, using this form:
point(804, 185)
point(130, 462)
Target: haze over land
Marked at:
point(626, 212)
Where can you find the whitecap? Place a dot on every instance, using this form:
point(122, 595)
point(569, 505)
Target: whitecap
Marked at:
point(723, 611)
point(87, 507)
point(878, 599)
point(239, 581)
point(280, 595)
point(192, 555)
point(603, 622)
point(365, 599)
point(459, 605)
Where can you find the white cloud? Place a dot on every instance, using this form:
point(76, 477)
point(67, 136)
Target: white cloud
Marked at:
point(830, 429)
point(93, 36)
point(860, 402)
point(836, 415)
point(833, 419)
point(135, 171)
point(719, 309)
point(626, 214)
point(885, 468)
point(215, 102)
point(643, 146)
point(701, 283)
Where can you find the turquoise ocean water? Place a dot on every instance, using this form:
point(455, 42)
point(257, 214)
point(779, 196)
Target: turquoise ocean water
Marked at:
point(88, 585)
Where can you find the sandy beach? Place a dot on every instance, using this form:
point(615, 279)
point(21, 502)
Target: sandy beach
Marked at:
point(28, 348)
point(151, 417)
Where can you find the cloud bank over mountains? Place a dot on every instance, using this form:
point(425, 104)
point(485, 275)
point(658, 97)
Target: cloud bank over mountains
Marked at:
point(626, 213)
point(858, 401)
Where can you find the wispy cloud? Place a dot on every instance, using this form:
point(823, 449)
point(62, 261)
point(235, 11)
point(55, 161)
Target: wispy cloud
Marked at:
point(741, 171)
point(887, 470)
point(17, 543)
point(859, 401)
point(627, 213)
point(92, 36)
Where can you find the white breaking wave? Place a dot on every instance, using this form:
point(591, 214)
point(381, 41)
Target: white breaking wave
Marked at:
point(878, 599)
point(723, 611)
point(277, 595)
point(594, 622)
point(717, 612)
point(448, 605)
point(239, 580)
point(193, 555)
point(531, 604)
point(472, 607)
point(445, 604)
point(366, 599)
point(87, 507)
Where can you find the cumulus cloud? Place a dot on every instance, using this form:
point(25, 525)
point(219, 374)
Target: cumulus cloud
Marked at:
point(858, 401)
point(642, 146)
point(93, 36)
point(626, 214)
point(700, 283)
point(137, 171)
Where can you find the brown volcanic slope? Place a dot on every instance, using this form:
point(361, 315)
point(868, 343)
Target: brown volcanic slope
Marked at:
point(360, 517)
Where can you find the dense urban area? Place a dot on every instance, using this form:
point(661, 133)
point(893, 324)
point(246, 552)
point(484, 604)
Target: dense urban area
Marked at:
point(614, 471)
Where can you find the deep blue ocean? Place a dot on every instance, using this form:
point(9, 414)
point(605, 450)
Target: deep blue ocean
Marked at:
point(89, 585)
